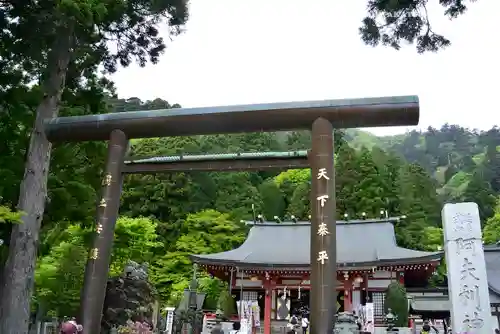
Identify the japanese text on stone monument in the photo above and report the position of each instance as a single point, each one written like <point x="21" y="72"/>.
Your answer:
<point x="467" y="283"/>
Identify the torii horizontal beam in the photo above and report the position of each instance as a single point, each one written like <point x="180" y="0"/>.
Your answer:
<point x="230" y="162"/>
<point x="346" y="113"/>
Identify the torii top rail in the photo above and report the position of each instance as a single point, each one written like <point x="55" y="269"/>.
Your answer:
<point x="345" y="113"/>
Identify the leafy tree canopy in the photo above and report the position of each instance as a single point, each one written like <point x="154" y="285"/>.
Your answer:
<point x="392" y="23"/>
<point x="491" y="231"/>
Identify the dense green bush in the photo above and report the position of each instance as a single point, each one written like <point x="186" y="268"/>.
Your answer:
<point x="397" y="301"/>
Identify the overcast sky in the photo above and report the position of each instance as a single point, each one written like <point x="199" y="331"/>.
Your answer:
<point x="259" y="51"/>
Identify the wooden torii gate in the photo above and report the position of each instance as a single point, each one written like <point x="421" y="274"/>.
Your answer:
<point x="321" y="117"/>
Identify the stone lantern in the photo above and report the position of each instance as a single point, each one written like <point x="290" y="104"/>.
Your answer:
<point x="390" y="320"/>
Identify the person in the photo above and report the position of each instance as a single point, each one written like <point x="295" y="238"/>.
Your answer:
<point x="497" y="331"/>
<point x="305" y="323"/>
<point x="292" y="324"/>
<point x="426" y="328"/>
<point x="236" y="328"/>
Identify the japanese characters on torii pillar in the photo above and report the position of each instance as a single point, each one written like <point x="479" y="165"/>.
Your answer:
<point x="106" y="182"/>
<point x="467" y="281"/>
<point x="322" y="227"/>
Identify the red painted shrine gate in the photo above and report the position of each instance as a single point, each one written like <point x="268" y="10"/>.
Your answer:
<point x="274" y="261"/>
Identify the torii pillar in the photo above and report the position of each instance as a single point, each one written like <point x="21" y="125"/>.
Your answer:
<point x="323" y="295"/>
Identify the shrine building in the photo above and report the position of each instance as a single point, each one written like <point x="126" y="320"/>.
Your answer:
<point x="272" y="266"/>
<point x="436" y="304"/>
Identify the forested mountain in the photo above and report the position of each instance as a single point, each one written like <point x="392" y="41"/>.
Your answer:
<point x="166" y="217"/>
<point x="464" y="162"/>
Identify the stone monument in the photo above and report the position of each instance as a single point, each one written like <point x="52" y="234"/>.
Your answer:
<point x="467" y="282"/>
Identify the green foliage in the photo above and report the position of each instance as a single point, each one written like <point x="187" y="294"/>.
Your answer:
<point x="293" y="184"/>
<point x="9" y="216"/>
<point x="227" y="303"/>
<point x="433" y="238"/>
<point x="84" y="28"/>
<point x="397" y="301"/>
<point x="465" y="163"/>
<point x="59" y="274"/>
<point x="205" y="232"/>
<point x="300" y="202"/>
<point x="293" y="177"/>
<point x="135" y="239"/>
<point x="392" y="22"/>
<point x="346" y="177"/>
<point x="491" y="231"/>
<point x="361" y="139"/>
<point x="273" y="201"/>
<point x="419" y="202"/>
<point x="438" y="279"/>
<point x="368" y="194"/>
<point x="456" y="185"/>
<point x="479" y="190"/>
<point x="212" y="288"/>
<point x="240" y="198"/>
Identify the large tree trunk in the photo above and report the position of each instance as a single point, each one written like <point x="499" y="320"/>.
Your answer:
<point x="19" y="269"/>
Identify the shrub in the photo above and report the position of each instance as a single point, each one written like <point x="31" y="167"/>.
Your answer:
<point x="397" y="301"/>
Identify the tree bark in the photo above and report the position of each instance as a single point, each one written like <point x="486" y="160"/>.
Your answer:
<point x="18" y="277"/>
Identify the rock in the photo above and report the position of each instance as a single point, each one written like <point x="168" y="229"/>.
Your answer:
<point x="136" y="271"/>
<point x="128" y="297"/>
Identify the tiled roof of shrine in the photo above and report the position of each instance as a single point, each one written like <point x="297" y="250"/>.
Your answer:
<point x="362" y="243"/>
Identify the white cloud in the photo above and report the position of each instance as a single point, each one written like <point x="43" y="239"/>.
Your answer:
<point x="257" y="51"/>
